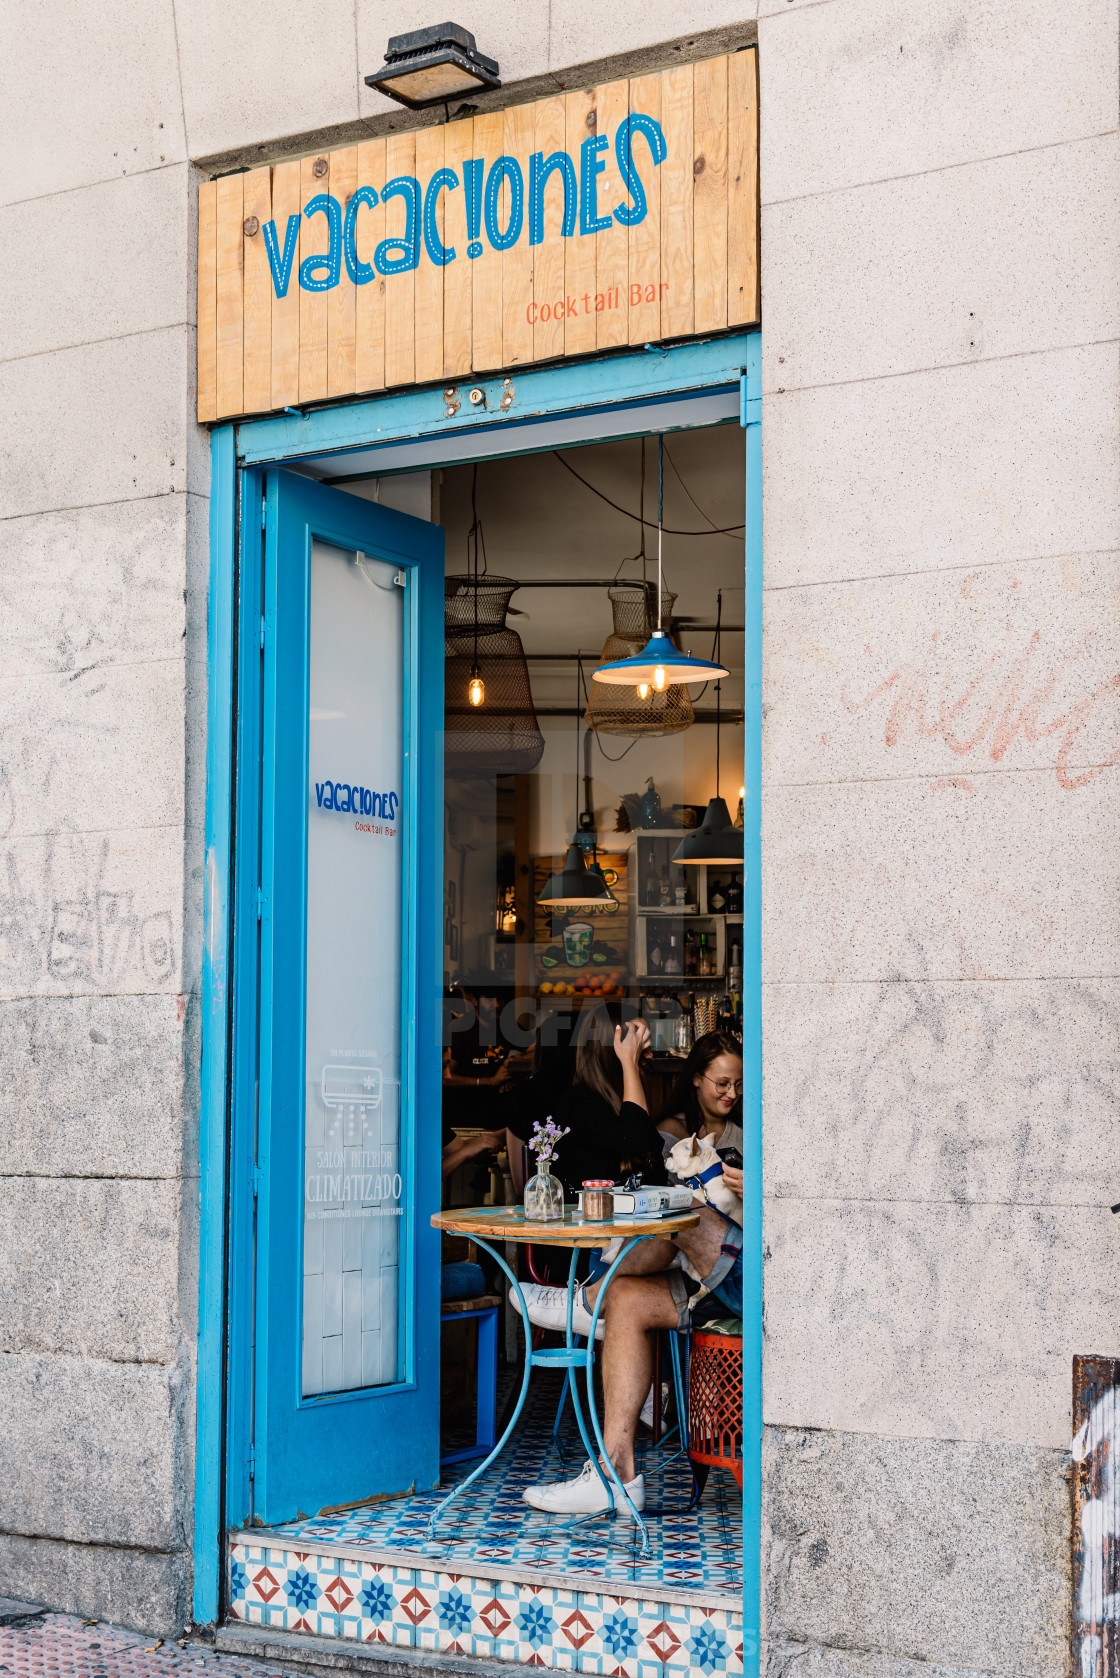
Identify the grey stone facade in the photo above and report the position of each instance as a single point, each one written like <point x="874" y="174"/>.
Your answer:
<point x="940" y="234"/>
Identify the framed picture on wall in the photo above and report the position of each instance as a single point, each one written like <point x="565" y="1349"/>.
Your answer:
<point x="587" y="946"/>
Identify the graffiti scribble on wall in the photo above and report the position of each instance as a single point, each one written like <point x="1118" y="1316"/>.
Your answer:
<point x="1096" y="1516"/>
<point x="1013" y="690"/>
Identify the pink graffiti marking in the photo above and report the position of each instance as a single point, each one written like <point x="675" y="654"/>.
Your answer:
<point x="1016" y="706"/>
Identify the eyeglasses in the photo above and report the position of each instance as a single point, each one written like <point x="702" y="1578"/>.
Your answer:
<point x="724" y="1086"/>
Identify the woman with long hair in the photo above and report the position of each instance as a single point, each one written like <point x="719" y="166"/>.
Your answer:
<point x="708" y="1098"/>
<point x="604" y="1110"/>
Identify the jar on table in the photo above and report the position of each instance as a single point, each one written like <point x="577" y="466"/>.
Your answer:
<point x="598" y="1200"/>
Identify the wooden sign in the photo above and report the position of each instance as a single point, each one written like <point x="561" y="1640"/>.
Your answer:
<point x="617" y="215"/>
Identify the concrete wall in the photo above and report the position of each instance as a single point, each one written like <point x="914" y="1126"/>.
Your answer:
<point x="103" y="554"/>
<point x="940" y="261"/>
<point x="941" y="395"/>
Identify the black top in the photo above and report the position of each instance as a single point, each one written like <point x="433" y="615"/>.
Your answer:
<point x="603" y="1143"/>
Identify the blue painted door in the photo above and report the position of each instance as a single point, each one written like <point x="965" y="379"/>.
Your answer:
<point x="346" y="1265"/>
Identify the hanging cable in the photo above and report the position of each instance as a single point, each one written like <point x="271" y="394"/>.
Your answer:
<point x="691" y="497"/>
<point x="476" y="690"/>
<point x="726" y="530"/>
<point x="719" y="683"/>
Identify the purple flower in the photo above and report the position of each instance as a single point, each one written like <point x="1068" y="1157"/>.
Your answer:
<point x="545" y="1137"/>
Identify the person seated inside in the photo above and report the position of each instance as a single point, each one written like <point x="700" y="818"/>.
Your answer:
<point x="535" y="1100"/>
<point x="603" y="1109"/>
<point x="474" y="1056"/>
<point x="457" y="1150"/>
<point x="651" y="1291"/>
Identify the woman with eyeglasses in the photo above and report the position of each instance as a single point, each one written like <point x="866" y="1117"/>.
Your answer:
<point x="707" y="1101"/>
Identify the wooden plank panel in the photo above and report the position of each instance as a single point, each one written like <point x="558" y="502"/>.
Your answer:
<point x="342" y="301"/>
<point x="548" y="257"/>
<point x="580" y="121"/>
<point x="429" y="276"/>
<point x="369" y="305"/>
<point x="517" y="262"/>
<point x="486" y="279"/>
<point x="644" y="240"/>
<point x="458" y="146"/>
<point x="676" y="203"/>
<point x="314" y="240"/>
<point x="742" y="188"/>
<point x="207" y="302"/>
<point x="258" y="292"/>
<point x="611" y="323"/>
<point x="689" y="266"/>
<point x="709" y="195"/>
<point x="231" y="296"/>
<point x="400" y="289"/>
<point x="285" y="310"/>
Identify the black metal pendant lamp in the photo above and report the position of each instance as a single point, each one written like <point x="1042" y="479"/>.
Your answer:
<point x="717" y="839"/>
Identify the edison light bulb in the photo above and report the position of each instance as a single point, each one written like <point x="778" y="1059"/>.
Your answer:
<point x="659" y="677"/>
<point x="742" y="794"/>
<point x="643" y="690"/>
<point x="476" y="693"/>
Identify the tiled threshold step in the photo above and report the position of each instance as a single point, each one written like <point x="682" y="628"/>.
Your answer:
<point x="421" y="1608"/>
<point x="500" y="1582"/>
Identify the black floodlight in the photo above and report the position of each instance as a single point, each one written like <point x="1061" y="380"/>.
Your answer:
<point x="429" y="66"/>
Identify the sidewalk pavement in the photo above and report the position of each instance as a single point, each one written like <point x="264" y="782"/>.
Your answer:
<point x="36" y="1645"/>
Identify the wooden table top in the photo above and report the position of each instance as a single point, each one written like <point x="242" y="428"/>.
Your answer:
<point x="509" y="1223"/>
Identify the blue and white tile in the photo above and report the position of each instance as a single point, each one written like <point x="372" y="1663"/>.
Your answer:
<point x="381" y="1597"/>
<point x="542" y="1612"/>
<point x="621" y="1629"/>
<point x="706" y="1647"/>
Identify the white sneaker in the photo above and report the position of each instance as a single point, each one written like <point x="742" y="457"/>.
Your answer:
<point x="646" y="1414"/>
<point x="585" y="1495"/>
<point x="548" y="1308"/>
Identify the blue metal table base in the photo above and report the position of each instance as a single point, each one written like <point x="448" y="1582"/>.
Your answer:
<point x="569" y="1357"/>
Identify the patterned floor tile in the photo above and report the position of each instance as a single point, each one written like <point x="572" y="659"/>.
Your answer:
<point x="583" y="1597"/>
<point x="701" y="1550"/>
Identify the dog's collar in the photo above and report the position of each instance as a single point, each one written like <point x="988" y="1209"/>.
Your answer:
<point x="703" y="1177"/>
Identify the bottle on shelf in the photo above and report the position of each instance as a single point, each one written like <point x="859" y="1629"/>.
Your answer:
<point x="655" y="953"/>
<point x="735" y="967"/>
<point x="691" y="953"/>
<point x="651" y="891"/>
<point x="673" y="958"/>
<point x="704" y="967"/>
<point x="666" y="894"/>
<point x="735" y="895"/>
<point x="717" y="898"/>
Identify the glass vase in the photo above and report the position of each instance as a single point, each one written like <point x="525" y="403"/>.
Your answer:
<point x="544" y="1195"/>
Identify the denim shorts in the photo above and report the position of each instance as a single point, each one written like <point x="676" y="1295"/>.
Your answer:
<point x="724" y="1282"/>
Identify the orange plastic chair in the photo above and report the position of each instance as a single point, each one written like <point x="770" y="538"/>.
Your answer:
<point x="715" y="1406"/>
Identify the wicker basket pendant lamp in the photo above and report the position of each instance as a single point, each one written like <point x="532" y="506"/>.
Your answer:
<point x="623" y="710"/>
<point x="490" y="721"/>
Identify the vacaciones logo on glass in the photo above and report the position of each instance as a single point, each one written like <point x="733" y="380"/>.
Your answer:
<point x="350" y="800"/>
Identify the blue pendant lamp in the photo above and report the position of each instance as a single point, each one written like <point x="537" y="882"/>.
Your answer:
<point x="717" y="839"/>
<point x="660" y="663"/>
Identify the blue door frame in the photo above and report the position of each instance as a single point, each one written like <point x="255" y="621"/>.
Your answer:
<point x="229" y="997"/>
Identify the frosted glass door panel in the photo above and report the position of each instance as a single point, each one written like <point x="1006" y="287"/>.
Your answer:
<point x="352" y="1163"/>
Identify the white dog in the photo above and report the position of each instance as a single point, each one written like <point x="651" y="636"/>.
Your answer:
<point x="696" y="1162"/>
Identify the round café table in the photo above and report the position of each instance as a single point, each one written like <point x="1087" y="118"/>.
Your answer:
<point x="486" y="1224"/>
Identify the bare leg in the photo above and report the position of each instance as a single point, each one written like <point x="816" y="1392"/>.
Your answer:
<point x="644" y="1260"/>
<point x="637" y="1304"/>
<point x="702" y="1245"/>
